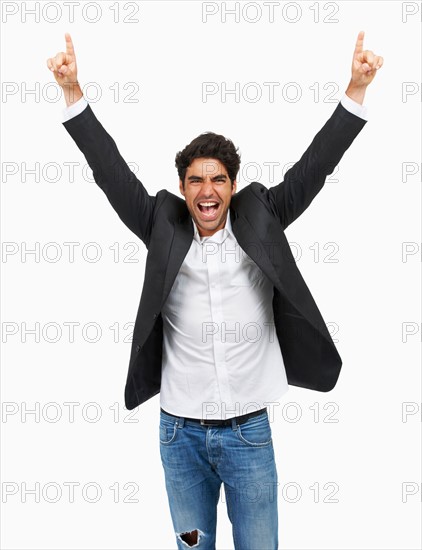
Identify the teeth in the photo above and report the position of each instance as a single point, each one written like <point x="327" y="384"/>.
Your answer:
<point x="208" y="203"/>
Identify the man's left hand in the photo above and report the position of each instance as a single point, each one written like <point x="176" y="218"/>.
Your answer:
<point x="365" y="64"/>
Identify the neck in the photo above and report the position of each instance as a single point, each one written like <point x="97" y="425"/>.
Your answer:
<point x="208" y="232"/>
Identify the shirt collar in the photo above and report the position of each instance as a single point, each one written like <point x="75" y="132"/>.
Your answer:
<point x="219" y="236"/>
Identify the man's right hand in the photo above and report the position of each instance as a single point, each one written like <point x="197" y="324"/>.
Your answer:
<point x="65" y="72"/>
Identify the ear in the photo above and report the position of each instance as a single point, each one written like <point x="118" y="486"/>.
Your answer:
<point x="181" y="187"/>
<point x="234" y="187"/>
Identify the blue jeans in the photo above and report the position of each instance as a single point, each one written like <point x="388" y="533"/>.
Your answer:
<point x="197" y="459"/>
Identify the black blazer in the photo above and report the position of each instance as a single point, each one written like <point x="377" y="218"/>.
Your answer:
<point x="259" y="216"/>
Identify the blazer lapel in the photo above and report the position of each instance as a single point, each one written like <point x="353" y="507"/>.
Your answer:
<point x="182" y="240"/>
<point x="250" y="242"/>
<point x="254" y="247"/>
<point x="245" y="235"/>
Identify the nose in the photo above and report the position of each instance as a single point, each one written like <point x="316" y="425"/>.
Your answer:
<point x="207" y="187"/>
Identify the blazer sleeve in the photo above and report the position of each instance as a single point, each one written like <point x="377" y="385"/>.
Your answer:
<point x="126" y="194"/>
<point x="303" y="181"/>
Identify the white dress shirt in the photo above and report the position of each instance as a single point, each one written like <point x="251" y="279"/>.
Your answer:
<point x="221" y="355"/>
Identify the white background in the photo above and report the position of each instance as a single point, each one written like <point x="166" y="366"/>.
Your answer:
<point x="370" y="453"/>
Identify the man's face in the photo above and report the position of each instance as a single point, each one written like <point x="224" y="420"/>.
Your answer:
<point x="207" y="181"/>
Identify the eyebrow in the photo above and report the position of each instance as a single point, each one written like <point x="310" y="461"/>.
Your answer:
<point x="213" y="178"/>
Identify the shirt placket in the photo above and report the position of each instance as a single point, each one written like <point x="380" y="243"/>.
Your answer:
<point x="216" y="289"/>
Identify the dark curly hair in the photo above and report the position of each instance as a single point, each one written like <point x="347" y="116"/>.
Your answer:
<point x="209" y="145"/>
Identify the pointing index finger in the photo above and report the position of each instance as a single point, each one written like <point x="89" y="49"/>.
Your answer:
<point x="69" y="45"/>
<point x="359" y="43"/>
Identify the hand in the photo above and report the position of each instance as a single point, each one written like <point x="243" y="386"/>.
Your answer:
<point x="364" y="65"/>
<point x="64" y="64"/>
<point x="65" y="71"/>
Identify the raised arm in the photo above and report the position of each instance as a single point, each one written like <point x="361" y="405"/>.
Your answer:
<point x="125" y="192"/>
<point x="303" y="181"/>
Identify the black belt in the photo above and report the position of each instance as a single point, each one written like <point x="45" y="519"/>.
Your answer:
<point x="228" y="422"/>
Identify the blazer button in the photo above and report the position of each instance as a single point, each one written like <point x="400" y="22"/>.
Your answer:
<point x="138" y="347"/>
<point x="155" y="316"/>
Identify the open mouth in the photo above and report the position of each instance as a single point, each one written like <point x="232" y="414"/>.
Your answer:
<point x="208" y="209"/>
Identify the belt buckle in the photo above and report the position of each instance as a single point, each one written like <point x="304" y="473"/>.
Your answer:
<point x="207" y="422"/>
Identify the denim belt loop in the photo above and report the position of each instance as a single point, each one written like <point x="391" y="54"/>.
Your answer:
<point x="180" y="421"/>
<point x="234" y="424"/>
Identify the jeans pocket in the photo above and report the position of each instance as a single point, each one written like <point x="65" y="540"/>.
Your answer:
<point x="255" y="432"/>
<point x="168" y="430"/>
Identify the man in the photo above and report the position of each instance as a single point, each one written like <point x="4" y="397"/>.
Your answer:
<point x="219" y="265"/>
